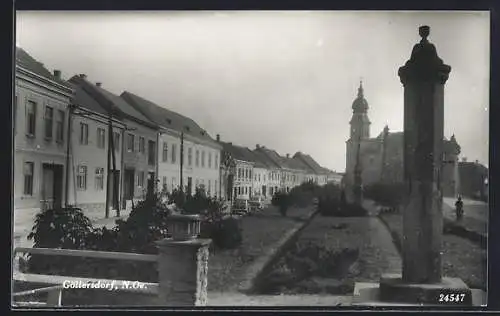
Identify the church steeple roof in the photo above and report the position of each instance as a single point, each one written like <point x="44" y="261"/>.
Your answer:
<point x="360" y="105"/>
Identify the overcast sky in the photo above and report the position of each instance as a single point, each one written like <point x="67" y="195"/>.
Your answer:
<point x="285" y="80"/>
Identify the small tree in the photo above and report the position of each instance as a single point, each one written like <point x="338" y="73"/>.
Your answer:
<point x="282" y="201"/>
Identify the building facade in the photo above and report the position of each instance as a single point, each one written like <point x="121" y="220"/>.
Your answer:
<point x="40" y="114"/>
<point x="88" y="162"/>
<point x="139" y="142"/>
<point x="380" y="159"/>
<point x="200" y="162"/>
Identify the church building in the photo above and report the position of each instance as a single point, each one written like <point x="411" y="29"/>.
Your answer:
<point x="381" y="158"/>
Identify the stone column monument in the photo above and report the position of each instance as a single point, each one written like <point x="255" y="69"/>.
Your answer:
<point x="421" y="282"/>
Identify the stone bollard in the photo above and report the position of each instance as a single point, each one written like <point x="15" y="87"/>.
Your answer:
<point x="183" y="265"/>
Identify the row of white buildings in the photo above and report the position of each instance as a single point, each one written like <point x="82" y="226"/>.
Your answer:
<point x="68" y="134"/>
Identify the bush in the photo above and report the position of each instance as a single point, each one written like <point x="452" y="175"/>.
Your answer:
<point x="147" y="223"/>
<point x="304" y="194"/>
<point x="65" y="228"/>
<point x="227" y="233"/>
<point x="282" y="201"/>
<point x="387" y="194"/>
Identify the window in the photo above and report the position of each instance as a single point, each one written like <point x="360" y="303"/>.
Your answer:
<point x="130" y="142"/>
<point x="81" y="178"/>
<point x="197" y="162"/>
<point x="239" y="173"/>
<point x="216" y="164"/>
<point x="84" y="134"/>
<point x="101" y="136"/>
<point x="31" y="119"/>
<point x="216" y="188"/>
<point x="190" y="157"/>
<point x="174" y="153"/>
<point x="209" y="186"/>
<point x="140" y="179"/>
<point x="151" y="152"/>
<point x="173" y="183"/>
<point x="164" y="155"/>
<point x="249" y="174"/>
<point x="14" y="114"/>
<point x="49" y="122"/>
<point x="99" y="179"/>
<point x="116" y="141"/>
<point x="209" y="160"/>
<point x="246" y="173"/>
<point x="203" y="159"/>
<point x="60" y="126"/>
<point x="141" y="145"/>
<point x="28" y="178"/>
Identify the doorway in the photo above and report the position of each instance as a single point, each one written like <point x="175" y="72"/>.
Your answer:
<point x="151" y="183"/>
<point x="128" y="186"/>
<point x="52" y="186"/>
<point x="114" y="188"/>
<point x="264" y="191"/>
<point x="230" y="181"/>
<point x="190" y="186"/>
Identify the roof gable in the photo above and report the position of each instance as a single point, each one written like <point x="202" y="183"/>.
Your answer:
<point x="111" y="102"/>
<point x="25" y="60"/>
<point x="165" y="117"/>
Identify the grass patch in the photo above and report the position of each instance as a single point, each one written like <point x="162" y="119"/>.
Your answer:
<point x="226" y="267"/>
<point x="461" y="257"/>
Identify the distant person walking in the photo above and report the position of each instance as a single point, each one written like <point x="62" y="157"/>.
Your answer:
<point x="459" y="208"/>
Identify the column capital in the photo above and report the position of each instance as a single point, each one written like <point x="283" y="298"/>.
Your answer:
<point x="424" y="64"/>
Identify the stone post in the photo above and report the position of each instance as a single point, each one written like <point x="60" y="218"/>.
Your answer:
<point x="423" y="77"/>
<point x="183" y="263"/>
<point x="182" y="272"/>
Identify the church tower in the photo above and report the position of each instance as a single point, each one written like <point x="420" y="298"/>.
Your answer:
<point x="360" y="124"/>
<point x="360" y="131"/>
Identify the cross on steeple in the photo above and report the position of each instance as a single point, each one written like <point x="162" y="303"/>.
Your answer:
<point x="360" y="89"/>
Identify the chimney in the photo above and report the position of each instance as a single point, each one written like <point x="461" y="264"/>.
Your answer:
<point x="464" y="159"/>
<point x="217" y="137"/>
<point x="287" y="155"/>
<point x="83" y="76"/>
<point x="477" y="161"/>
<point x="230" y="144"/>
<point x="98" y="84"/>
<point x="57" y="74"/>
<point x="257" y="146"/>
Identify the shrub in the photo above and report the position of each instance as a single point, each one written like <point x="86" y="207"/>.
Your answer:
<point x="282" y="201"/>
<point x="61" y="228"/>
<point x="227" y="233"/>
<point x="304" y="194"/>
<point x="387" y="194"/>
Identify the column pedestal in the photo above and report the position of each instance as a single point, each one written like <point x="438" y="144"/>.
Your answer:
<point x="182" y="272"/>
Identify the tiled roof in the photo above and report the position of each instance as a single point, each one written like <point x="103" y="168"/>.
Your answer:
<point x="265" y="159"/>
<point x="26" y="61"/>
<point x="165" y="117"/>
<point x="252" y="156"/>
<point x="296" y="164"/>
<point x="83" y="99"/>
<point x="273" y="156"/>
<point x="308" y="160"/>
<point x="237" y="152"/>
<point x="117" y="103"/>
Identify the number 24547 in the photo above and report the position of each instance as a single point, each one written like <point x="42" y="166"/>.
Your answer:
<point x="451" y="297"/>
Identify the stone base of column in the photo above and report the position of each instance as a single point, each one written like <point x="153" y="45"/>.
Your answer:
<point x="392" y="291"/>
